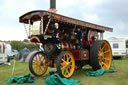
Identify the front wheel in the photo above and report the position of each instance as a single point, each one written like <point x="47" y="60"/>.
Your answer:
<point x="65" y="64"/>
<point x="101" y="55"/>
<point x="38" y="63"/>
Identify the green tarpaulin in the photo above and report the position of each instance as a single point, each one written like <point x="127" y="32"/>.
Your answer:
<point x="99" y="72"/>
<point x="22" y="79"/>
<point x="55" y="79"/>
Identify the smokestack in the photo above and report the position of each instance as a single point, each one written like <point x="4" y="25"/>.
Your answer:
<point x="52" y="6"/>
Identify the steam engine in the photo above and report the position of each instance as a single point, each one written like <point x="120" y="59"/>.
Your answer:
<point x="60" y="37"/>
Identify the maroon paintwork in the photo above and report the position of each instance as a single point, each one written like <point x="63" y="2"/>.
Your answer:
<point x="80" y="54"/>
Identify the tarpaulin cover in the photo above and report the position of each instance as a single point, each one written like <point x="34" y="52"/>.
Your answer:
<point x="55" y="79"/>
<point x="22" y="79"/>
<point x="99" y="72"/>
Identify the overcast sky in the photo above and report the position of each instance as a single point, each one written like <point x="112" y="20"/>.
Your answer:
<point x="111" y="13"/>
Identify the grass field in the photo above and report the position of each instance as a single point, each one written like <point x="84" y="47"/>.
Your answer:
<point x="117" y="78"/>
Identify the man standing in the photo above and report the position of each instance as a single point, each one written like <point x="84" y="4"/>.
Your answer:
<point x="79" y="37"/>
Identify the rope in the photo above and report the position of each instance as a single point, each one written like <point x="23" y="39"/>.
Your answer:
<point x="13" y="69"/>
<point x="26" y="30"/>
<point x="29" y="27"/>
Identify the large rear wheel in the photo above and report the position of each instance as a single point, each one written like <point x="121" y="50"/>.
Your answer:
<point x="38" y="63"/>
<point x="65" y="64"/>
<point x="101" y="55"/>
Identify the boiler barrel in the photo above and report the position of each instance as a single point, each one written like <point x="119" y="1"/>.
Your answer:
<point x="67" y="46"/>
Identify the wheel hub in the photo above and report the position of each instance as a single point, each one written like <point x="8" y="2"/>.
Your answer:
<point x="38" y="63"/>
<point x="66" y="64"/>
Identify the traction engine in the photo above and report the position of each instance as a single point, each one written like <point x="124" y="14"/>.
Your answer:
<point x="60" y="44"/>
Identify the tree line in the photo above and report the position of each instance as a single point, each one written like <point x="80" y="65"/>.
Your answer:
<point x="18" y="45"/>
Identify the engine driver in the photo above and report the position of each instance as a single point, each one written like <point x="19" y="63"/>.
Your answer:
<point x="79" y="37"/>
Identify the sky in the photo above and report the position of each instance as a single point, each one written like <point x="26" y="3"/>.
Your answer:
<point x="110" y="13"/>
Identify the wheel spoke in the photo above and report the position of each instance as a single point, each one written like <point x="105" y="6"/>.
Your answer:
<point x="99" y="57"/>
<point x="105" y="65"/>
<point x="99" y="60"/>
<point x="42" y="68"/>
<point x="42" y="58"/>
<point x="43" y="61"/>
<point x="64" y="71"/>
<point x="106" y="51"/>
<point x="63" y="60"/>
<point x="62" y="67"/>
<point x="39" y="69"/>
<point x="39" y="57"/>
<point x="103" y="46"/>
<point x="67" y="58"/>
<point x="100" y="48"/>
<point x="36" y="68"/>
<point x="100" y="65"/>
<point x="64" y="57"/>
<point x="35" y="58"/>
<point x="67" y="71"/>
<point x="63" y="64"/>
<point x="70" y="63"/>
<point x="107" y="59"/>
<point x="69" y="68"/>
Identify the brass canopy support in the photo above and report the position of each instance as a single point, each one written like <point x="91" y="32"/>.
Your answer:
<point x="47" y="26"/>
<point x="42" y="26"/>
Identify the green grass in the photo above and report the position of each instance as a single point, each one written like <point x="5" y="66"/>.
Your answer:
<point x="117" y="78"/>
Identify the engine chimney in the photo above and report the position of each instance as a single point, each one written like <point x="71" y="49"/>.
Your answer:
<point x="52" y="6"/>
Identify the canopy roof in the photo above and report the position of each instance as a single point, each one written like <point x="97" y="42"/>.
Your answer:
<point x="37" y="14"/>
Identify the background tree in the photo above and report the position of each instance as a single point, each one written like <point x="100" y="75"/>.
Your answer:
<point x="18" y="45"/>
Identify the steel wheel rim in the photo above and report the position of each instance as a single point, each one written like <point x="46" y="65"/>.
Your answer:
<point x="105" y="55"/>
<point x="39" y="64"/>
<point x="67" y="65"/>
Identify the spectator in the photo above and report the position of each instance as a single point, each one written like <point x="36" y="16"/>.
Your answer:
<point x="8" y="60"/>
<point x="79" y="37"/>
